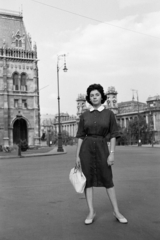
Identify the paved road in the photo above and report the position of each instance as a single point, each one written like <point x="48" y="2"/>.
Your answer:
<point x="37" y="201"/>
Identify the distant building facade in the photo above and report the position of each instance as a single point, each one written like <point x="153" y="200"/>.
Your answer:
<point x="127" y="111"/>
<point x="68" y="124"/>
<point x="19" y="83"/>
<point x="49" y="123"/>
<point x="124" y="112"/>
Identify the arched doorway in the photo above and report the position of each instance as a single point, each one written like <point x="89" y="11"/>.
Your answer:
<point x="20" y="130"/>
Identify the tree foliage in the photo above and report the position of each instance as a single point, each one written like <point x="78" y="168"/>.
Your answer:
<point x="136" y="129"/>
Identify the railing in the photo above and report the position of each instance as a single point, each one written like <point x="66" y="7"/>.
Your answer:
<point x="18" y="53"/>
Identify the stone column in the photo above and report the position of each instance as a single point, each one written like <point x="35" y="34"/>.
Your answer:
<point x="5" y="106"/>
<point x="125" y="124"/>
<point x="31" y="136"/>
<point x="69" y="129"/>
<point x="154" y="121"/>
<point x="11" y="136"/>
<point x="120" y="122"/>
<point x="74" y="129"/>
<point x="147" y="121"/>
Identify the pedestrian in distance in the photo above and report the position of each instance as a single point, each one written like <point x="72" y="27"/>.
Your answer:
<point x="93" y="154"/>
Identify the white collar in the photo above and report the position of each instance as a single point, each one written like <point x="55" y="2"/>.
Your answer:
<point x="99" y="109"/>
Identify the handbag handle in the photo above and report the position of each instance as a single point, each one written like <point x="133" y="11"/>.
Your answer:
<point x="78" y="168"/>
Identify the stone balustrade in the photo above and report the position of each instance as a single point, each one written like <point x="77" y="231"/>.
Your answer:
<point x="13" y="53"/>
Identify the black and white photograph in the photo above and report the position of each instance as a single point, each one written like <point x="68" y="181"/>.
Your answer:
<point x="79" y="119"/>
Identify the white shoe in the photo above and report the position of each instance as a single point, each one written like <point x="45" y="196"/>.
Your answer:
<point x="90" y="220"/>
<point x="121" y="220"/>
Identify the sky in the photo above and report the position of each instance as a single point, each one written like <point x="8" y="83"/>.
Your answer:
<point x="116" y="43"/>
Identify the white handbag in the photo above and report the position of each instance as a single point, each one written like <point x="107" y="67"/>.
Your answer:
<point x="77" y="179"/>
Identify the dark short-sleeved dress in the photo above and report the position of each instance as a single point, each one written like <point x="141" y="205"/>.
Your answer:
<point x="93" y="128"/>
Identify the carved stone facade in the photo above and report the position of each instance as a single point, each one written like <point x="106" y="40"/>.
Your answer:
<point x="19" y="83"/>
<point x="81" y="104"/>
<point x="126" y="111"/>
<point x="68" y="124"/>
<point x="111" y="102"/>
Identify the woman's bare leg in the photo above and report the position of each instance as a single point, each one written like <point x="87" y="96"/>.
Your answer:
<point x="112" y="196"/>
<point x="89" y="199"/>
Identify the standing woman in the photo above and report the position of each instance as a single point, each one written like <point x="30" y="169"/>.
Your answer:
<point x="93" y="154"/>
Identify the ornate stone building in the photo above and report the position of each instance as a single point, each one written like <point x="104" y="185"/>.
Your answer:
<point x="111" y="102"/>
<point x="50" y="124"/>
<point x="150" y="111"/>
<point x="19" y="83"/>
<point x="126" y="111"/>
<point x="68" y="124"/>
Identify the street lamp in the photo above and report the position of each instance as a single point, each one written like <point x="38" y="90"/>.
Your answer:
<point x="139" y="137"/>
<point x="151" y="126"/>
<point x="19" y="117"/>
<point x="60" y="147"/>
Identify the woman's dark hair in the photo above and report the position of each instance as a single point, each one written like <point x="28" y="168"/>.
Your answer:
<point x="97" y="87"/>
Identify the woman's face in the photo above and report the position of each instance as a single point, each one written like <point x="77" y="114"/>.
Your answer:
<point x="95" y="98"/>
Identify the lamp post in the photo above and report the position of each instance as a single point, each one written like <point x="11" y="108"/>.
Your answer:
<point x="60" y="147"/>
<point x="139" y="137"/>
<point x="151" y="128"/>
<point x="19" y="117"/>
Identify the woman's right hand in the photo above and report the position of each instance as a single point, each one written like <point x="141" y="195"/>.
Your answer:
<point x="78" y="162"/>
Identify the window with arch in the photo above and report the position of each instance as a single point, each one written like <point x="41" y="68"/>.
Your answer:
<point x="23" y="82"/>
<point x="20" y="43"/>
<point x="15" y="81"/>
<point x="16" y="42"/>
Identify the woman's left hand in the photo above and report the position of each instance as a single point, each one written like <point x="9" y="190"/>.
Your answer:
<point x="110" y="159"/>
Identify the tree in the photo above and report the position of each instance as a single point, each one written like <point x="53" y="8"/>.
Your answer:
<point x="123" y="136"/>
<point x="139" y="128"/>
<point x="66" y="139"/>
<point x="130" y="135"/>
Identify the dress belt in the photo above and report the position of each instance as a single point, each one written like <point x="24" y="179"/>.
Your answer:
<point x="95" y="136"/>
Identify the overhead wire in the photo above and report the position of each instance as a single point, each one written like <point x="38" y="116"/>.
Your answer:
<point x="93" y="19"/>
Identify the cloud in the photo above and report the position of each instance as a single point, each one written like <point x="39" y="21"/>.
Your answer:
<point x="130" y="3"/>
<point x="52" y="96"/>
<point x="110" y="56"/>
<point x="117" y="51"/>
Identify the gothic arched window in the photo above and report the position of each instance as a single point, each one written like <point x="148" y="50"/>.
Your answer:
<point x="16" y="43"/>
<point x="23" y="82"/>
<point x="20" y="43"/>
<point x="15" y="81"/>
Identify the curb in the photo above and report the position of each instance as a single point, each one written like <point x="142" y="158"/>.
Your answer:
<point x="143" y="146"/>
<point x="52" y="153"/>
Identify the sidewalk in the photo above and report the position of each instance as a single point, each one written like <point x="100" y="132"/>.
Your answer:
<point x="43" y="151"/>
<point x="46" y="151"/>
<point x="146" y="145"/>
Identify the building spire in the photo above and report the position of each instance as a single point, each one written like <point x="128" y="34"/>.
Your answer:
<point x="132" y="94"/>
